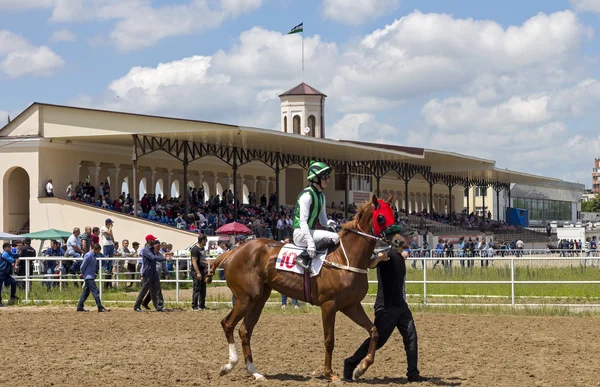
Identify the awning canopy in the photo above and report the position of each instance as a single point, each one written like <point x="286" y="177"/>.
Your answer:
<point x="9" y="237"/>
<point x="72" y="124"/>
<point x="47" y="234"/>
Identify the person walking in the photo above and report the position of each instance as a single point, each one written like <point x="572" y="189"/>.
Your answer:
<point x="198" y="272"/>
<point x="391" y="311"/>
<point x="89" y="269"/>
<point x="151" y="281"/>
<point x="8" y="262"/>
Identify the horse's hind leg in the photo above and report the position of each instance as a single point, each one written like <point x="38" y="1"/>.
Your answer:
<point x="240" y="309"/>
<point x="246" y="331"/>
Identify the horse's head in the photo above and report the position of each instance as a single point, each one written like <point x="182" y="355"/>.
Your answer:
<point x="376" y="216"/>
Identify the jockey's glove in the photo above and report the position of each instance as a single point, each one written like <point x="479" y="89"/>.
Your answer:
<point x="332" y="224"/>
<point x="312" y="251"/>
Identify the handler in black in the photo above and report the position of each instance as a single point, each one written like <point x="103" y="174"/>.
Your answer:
<point x="391" y="311"/>
<point x="198" y="272"/>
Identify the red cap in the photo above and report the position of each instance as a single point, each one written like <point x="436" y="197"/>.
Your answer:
<point x="149" y="238"/>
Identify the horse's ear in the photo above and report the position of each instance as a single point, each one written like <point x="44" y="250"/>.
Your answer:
<point x="390" y="199"/>
<point x="374" y="201"/>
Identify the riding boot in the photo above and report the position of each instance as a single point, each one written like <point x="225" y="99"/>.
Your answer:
<point x="324" y="244"/>
<point x="303" y="260"/>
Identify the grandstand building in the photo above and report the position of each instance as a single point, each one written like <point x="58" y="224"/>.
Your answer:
<point x="140" y="154"/>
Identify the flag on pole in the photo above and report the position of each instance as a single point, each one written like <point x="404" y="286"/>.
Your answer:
<point x="298" y="28"/>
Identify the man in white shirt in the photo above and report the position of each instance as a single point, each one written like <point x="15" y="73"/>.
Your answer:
<point x="107" y="240"/>
<point x="519" y="248"/>
<point x="49" y="188"/>
<point x="129" y="265"/>
<point x="74" y="250"/>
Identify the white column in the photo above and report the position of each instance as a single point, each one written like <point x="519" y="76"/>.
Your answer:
<point x="94" y="175"/>
<point x="167" y="189"/>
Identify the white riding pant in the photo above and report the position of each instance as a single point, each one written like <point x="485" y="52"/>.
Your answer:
<point x="317" y="235"/>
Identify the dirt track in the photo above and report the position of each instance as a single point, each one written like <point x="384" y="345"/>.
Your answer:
<point x="47" y="346"/>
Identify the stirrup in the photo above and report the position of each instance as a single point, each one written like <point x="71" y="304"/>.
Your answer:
<point x="303" y="260"/>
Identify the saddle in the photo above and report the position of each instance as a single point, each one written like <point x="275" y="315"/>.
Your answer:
<point x="286" y="261"/>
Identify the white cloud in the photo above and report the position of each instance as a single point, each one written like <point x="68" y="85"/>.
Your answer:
<point x="25" y="4"/>
<point x="505" y="93"/>
<point x="586" y="5"/>
<point x="422" y="53"/>
<point x="362" y="127"/>
<point x="63" y="35"/>
<point x="356" y="12"/>
<point x="139" y="24"/>
<point x="238" y="86"/>
<point x="18" y="57"/>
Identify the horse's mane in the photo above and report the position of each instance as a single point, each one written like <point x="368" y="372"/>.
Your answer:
<point x="353" y="224"/>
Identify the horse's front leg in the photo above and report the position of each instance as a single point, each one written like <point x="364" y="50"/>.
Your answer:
<point x="357" y="314"/>
<point x="328" y="311"/>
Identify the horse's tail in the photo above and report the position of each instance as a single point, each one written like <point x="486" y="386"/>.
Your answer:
<point x="216" y="264"/>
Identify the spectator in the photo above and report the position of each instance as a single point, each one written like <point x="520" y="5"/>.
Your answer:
<point x="151" y="282"/>
<point x="89" y="269"/>
<point x="129" y="265"/>
<point x="26" y="251"/>
<point x="8" y="262"/>
<point x="49" y="188"/>
<point x="200" y="268"/>
<point x="53" y="266"/>
<point x="108" y="247"/>
<point x="284" y="302"/>
<point x="74" y="251"/>
<point x="70" y="192"/>
<point x="86" y="240"/>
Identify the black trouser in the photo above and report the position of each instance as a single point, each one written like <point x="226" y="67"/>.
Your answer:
<point x="386" y="319"/>
<point x="89" y="286"/>
<point x="150" y="291"/>
<point x="8" y="280"/>
<point x="70" y="268"/>
<point x="131" y="276"/>
<point x="199" y="290"/>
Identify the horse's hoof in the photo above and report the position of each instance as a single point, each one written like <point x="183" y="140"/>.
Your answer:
<point x="225" y="369"/>
<point x="259" y="377"/>
<point x="335" y="380"/>
<point x="357" y="373"/>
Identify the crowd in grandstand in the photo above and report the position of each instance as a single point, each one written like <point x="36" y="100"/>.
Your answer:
<point x="470" y="221"/>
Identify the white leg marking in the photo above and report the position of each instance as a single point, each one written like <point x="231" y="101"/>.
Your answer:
<point x="233" y="360"/>
<point x="252" y="371"/>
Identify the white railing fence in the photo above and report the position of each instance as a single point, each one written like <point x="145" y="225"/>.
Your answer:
<point x="450" y="260"/>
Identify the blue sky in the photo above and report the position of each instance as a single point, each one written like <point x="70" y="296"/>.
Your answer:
<point x="517" y="82"/>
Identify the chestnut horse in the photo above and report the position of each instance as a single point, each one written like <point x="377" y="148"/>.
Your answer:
<point x="340" y="286"/>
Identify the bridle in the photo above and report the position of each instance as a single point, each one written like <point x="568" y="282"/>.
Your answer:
<point x="362" y="233"/>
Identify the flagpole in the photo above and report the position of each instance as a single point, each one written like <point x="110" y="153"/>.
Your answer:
<point x="302" y="52"/>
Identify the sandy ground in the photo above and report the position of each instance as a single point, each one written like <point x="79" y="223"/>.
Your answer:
<point x="55" y="346"/>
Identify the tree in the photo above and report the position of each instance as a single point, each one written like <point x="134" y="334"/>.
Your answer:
<point x="592" y="205"/>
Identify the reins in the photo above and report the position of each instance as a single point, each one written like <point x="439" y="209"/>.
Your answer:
<point x="348" y="267"/>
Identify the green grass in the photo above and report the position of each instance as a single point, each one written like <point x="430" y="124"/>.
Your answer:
<point x="495" y="293"/>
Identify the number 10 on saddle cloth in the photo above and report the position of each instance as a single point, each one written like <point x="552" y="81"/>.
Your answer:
<point x="286" y="260"/>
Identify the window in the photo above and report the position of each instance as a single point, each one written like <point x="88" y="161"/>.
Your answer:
<point x="296" y="124"/>
<point x="340" y="182"/>
<point x="480" y="191"/>
<point x="311" y="125"/>
<point x="361" y="180"/>
<point x="285" y="124"/>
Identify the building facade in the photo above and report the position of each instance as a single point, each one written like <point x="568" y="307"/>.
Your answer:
<point x="596" y="176"/>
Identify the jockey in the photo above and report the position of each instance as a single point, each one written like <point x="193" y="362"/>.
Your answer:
<point x="310" y="209"/>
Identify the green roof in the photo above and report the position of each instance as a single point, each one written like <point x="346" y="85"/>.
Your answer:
<point x="47" y="234"/>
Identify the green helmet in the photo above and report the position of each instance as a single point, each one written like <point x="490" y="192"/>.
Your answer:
<point x="316" y="170"/>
